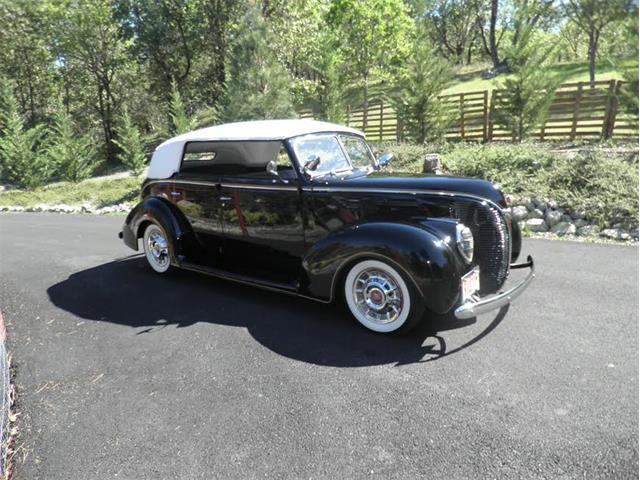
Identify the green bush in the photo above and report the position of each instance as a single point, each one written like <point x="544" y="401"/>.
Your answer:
<point x="70" y="154"/>
<point x="603" y="185"/>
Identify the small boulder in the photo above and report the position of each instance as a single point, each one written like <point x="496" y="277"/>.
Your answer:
<point x="564" y="228"/>
<point x="588" y="230"/>
<point x="578" y="214"/>
<point x="527" y="203"/>
<point x="552" y="217"/>
<point x="580" y="222"/>
<point x="536" y="213"/>
<point x="612" y="233"/>
<point x="537" y="225"/>
<point x="519" y="212"/>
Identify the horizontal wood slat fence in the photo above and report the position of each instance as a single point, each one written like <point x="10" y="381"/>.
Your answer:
<point x="578" y="110"/>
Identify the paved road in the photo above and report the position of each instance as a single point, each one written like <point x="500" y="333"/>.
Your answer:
<point x="123" y="374"/>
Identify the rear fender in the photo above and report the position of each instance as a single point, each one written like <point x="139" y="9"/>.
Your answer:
<point x="422" y="252"/>
<point x="155" y="209"/>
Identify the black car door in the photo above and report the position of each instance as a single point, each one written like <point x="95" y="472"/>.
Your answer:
<point x="261" y="220"/>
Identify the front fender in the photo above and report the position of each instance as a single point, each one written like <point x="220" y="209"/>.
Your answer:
<point x="169" y="217"/>
<point x="421" y="251"/>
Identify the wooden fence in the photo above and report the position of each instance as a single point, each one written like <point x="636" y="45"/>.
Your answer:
<point x="578" y="110"/>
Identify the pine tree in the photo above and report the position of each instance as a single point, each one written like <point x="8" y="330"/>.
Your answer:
<point x="258" y="86"/>
<point x="131" y="144"/>
<point x="181" y="122"/>
<point x="22" y="160"/>
<point x="71" y="155"/>
<point x="415" y="96"/>
<point x="523" y="103"/>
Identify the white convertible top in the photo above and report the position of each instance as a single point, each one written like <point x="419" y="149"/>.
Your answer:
<point x="168" y="155"/>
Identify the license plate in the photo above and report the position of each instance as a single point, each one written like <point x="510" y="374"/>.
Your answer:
<point x="470" y="283"/>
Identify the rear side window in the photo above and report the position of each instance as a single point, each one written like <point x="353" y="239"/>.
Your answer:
<point x="229" y="158"/>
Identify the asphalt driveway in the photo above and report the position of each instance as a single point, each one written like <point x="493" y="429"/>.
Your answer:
<point x="123" y="374"/>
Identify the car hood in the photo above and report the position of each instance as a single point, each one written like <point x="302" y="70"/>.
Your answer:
<point x="380" y="181"/>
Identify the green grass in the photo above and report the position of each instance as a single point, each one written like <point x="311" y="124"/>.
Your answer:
<point x="470" y="81"/>
<point x="98" y="193"/>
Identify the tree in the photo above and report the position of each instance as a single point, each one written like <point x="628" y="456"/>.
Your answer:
<point x="593" y="17"/>
<point x="92" y="49"/>
<point x="454" y="27"/>
<point x="70" y="154"/>
<point x="22" y="161"/>
<point x="415" y="96"/>
<point x="132" y="151"/>
<point x="373" y="37"/>
<point x="523" y="103"/>
<point x="258" y="85"/>
<point x="180" y="121"/>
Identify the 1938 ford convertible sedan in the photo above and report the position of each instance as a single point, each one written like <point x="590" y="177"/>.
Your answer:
<point x="304" y="207"/>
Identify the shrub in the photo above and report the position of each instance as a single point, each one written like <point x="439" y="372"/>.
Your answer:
<point x="22" y="159"/>
<point x="131" y="144"/>
<point x="71" y="156"/>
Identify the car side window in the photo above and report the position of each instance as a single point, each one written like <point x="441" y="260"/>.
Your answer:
<point x="236" y="158"/>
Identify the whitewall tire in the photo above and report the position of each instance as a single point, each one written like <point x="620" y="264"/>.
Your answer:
<point x="157" y="248"/>
<point x="380" y="298"/>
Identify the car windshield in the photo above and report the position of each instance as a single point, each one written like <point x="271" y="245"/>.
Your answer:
<point x="337" y="153"/>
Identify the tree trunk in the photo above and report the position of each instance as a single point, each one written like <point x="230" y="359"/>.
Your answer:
<point x="593" y="50"/>
<point x="492" y="34"/>
<point x="365" y="104"/>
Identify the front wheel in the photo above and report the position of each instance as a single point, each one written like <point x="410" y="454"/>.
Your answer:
<point x="380" y="298"/>
<point x="157" y="248"/>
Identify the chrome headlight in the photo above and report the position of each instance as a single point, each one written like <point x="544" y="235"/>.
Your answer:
<point x="464" y="240"/>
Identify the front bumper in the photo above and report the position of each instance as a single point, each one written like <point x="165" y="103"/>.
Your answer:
<point x="473" y="308"/>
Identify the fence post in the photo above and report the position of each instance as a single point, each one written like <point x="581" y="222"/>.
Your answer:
<point x="462" y="116"/>
<point x="611" y="109"/>
<point x="348" y="115"/>
<point x="381" y="117"/>
<point x="576" y="112"/>
<point x="485" y="116"/>
<point x="492" y="108"/>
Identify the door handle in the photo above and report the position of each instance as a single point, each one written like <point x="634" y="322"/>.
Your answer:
<point x="224" y="199"/>
<point x="175" y="194"/>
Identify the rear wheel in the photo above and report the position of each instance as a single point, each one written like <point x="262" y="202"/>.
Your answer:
<point x="380" y="298"/>
<point x="157" y="248"/>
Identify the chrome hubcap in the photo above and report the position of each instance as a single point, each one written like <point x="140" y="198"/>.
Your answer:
<point x="158" y="248"/>
<point x="377" y="296"/>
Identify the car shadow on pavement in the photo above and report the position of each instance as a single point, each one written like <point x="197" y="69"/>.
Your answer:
<point x="127" y="292"/>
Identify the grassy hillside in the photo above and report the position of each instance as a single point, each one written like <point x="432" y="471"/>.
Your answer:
<point x="470" y="80"/>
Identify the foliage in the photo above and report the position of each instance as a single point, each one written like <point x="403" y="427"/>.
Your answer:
<point x="22" y="160"/>
<point x="415" y="97"/>
<point x="70" y="153"/>
<point x="258" y="87"/>
<point x="132" y="152"/>
<point x="373" y="37"/>
<point x="94" y="191"/>
<point x="180" y="121"/>
<point x="525" y="100"/>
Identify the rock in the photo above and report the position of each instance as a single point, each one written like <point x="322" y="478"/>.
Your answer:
<point x="625" y="236"/>
<point x="580" y="222"/>
<point x="564" y="228"/>
<point x="519" y="213"/>
<point x="536" y="213"/>
<point x="612" y="233"/>
<point x="588" y="230"/>
<point x="578" y="214"/>
<point x="527" y="203"/>
<point x="431" y="163"/>
<point x="566" y="218"/>
<point x="522" y="224"/>
<point x="541" y="203"/>
<point x="635" y="234"/>
<point x="552" y="217"/>
<point x="552" y="204"/>
<point x="537" y="225"/>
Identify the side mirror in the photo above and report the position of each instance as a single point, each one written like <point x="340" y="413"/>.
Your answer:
<point x="385" y="159"/>
<point x="272" y="168"/>
<point x="312" y="163"/>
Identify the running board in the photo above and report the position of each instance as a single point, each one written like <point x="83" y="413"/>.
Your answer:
<point x="216" y="272"/>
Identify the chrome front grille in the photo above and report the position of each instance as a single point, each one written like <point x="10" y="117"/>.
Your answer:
<point x="492" y="241"/>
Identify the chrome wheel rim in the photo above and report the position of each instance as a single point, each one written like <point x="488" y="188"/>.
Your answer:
<point x="378" y="296"/>
<point x="157" y="248"/>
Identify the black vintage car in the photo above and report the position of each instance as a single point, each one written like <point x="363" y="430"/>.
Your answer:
<point x="302" y="207"/>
